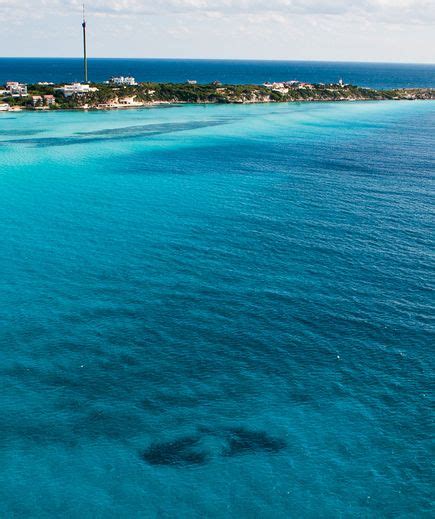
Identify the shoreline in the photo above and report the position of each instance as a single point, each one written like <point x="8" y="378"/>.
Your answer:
<point x="44" y="97"/>
<point x="202" y="103"/>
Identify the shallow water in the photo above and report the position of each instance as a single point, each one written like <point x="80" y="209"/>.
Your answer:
<point x="220" y="311"/>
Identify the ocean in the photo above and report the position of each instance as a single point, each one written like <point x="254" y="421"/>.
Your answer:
<point x="374" y="75"/>
<point x="217" y="311"/>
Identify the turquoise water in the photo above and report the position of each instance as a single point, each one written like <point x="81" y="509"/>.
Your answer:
<point x="221" y="311"/>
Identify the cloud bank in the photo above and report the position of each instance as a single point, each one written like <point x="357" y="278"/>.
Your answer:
<point x="390" y="29"/>
<point x="383" y="10"/>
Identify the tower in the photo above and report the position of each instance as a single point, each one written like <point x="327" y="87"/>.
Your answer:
<point x="85" y="57"/>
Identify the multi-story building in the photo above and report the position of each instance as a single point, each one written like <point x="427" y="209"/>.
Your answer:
<point x="15" y="89"/>
<point x="76" y="89"/>
<point x="49" y="100"/>
<point x="37" y="100"/>
<point x="123" y="81"/>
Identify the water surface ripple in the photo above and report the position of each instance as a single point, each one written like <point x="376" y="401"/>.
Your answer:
<point x="221" y="311"/>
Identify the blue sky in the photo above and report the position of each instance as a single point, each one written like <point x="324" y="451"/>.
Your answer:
<point x="348" y="30"/>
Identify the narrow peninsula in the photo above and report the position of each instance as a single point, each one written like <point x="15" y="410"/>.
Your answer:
<point x="125" y="92"/>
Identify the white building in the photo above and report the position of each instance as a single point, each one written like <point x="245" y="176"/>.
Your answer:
<point x="129" y="101"/>
<point x="304" y="86"/>
<point x="282" y="85"/>
<point x="342" y="84"/>
<point x="282" y="88"/>
<point x="49" y="100"/>
<point x="121" y="80"/>
<point x="76" y="89"/>
<point x="37" y="100"/>
<point x="15" y="89"/>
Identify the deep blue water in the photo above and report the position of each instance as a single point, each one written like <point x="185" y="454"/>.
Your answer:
<point x="375" y="75"/>
<point x="221" y="311"/>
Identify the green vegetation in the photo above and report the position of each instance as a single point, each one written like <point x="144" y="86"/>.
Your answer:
<point x="108" y="95"/>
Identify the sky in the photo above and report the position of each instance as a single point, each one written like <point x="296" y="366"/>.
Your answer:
<point x="331" y="30"/>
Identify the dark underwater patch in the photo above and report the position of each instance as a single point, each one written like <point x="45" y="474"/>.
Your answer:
<point x="342" y="165"/>
<point x="109" y="134"/>
<point x="189" y="450"/>
<point x="246" y="441"/>
<point x="18" y="132"/>
<point x="182" y="452"/>
<point x="153" y="129"/>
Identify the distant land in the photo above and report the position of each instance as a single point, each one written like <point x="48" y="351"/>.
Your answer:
<point x="385" y="76"/>
<point x="125" y="92"/>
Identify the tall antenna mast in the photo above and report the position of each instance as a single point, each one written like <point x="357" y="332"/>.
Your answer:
<point x="85" y="56"/>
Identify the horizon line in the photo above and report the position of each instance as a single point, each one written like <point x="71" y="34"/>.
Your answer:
<point x="272" y="60"/>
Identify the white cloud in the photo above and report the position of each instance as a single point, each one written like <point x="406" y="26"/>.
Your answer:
<point x="383" y="10"/>
<point x="400" y="30"/>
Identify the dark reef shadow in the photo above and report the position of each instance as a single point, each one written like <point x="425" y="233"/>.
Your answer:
<point x="190" y="450"/>
<point x="111" y="134"/>
<point x="246" y="441"/>
<point x="182" y="452"/>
